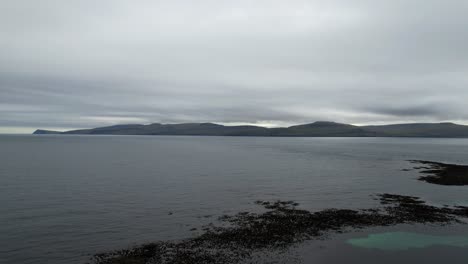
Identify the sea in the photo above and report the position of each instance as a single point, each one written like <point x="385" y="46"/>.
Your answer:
<point x="64" y="198"/>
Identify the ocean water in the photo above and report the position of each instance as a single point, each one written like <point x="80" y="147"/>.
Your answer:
<point x="64" y="198"/>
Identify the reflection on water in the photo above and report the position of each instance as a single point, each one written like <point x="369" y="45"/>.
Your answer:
<point x="407" y="240"/>
<point x="64" y="198"/>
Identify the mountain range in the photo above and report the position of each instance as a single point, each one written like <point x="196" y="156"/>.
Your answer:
<point x="316" y="129"/>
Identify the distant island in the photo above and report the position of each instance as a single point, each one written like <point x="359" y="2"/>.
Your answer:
<point x="316" y="129"/>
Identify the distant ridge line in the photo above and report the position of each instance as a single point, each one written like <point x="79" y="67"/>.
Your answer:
<point x="316" y="129"/>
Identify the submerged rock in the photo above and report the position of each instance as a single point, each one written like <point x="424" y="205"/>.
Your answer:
<point x="283" y="225"/>
<point x="442" y="173"/>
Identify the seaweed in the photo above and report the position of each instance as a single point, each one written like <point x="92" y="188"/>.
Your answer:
<point x="281" y="226"/>
<point x="442" y="173"/>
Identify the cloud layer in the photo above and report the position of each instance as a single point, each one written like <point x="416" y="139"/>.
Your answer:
<point x="91" y="63"/>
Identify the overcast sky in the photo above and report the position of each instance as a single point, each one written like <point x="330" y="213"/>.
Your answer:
<point x="88" y="63"/>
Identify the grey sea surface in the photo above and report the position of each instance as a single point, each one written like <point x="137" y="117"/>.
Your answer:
<point x="64" y="198"/>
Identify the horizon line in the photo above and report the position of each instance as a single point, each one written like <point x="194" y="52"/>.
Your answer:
<point x="29" y="130"/>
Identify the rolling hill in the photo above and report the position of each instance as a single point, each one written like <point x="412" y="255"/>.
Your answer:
<point x="316" y="129"/>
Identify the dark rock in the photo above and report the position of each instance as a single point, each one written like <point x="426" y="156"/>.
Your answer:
<point x="442" y="173"/>
<point x="283" y="225"/>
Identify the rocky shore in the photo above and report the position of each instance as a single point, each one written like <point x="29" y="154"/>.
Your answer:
<point x="281" y="226"/>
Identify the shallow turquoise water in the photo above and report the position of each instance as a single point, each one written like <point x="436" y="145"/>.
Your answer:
<point x="407" y="240"/>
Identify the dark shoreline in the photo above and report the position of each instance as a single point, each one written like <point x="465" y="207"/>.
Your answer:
<point x="441" y="173"/>
<point x="282" y="226"/>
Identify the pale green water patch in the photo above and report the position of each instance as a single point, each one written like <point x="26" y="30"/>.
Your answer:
<point x="462" y="203"/>
<point x="405" y="241"/>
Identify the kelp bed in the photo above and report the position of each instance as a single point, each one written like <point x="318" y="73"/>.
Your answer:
<point x="441" y="173"/>
<point x="283" y="224"/>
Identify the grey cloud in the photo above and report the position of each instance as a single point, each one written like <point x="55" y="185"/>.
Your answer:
<point x="87" y="63"/>
<point x="429" y="110"/>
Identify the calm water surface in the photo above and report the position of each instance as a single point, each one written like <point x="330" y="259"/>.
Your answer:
<point x="64" y="198"/>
